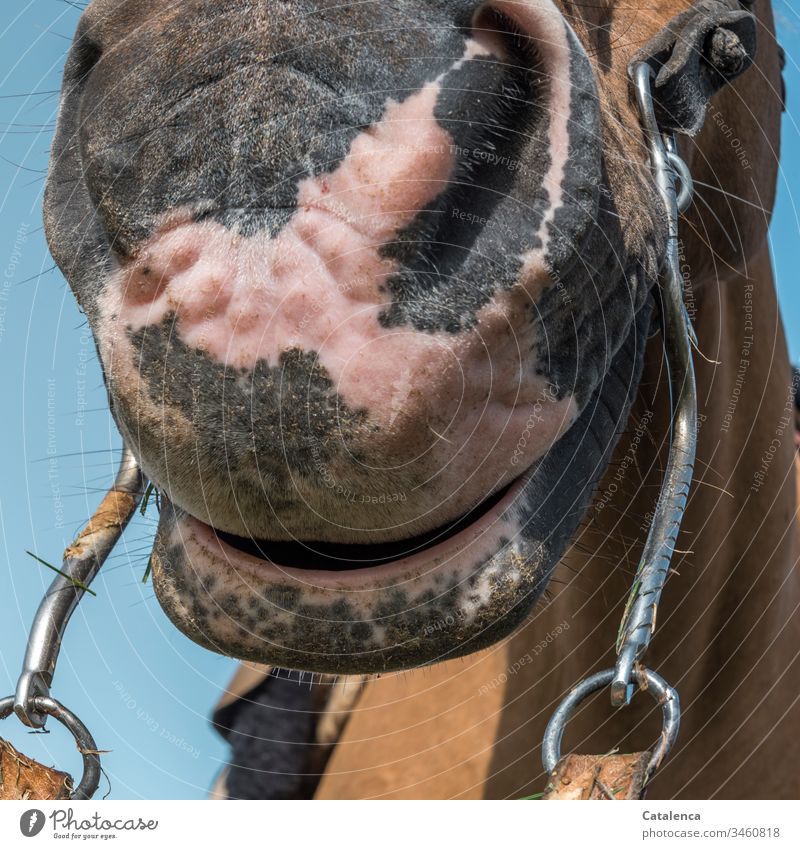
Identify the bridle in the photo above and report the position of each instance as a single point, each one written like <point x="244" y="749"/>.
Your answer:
<point x="32" y="701"/>
<point x="722" y="33"/>
<point x="639" y="619"/>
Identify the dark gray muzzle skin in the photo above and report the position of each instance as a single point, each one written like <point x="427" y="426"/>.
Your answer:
<point x="217" y="114"/>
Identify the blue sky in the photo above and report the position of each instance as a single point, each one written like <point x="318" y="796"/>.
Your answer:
<point x="143" y="689"/>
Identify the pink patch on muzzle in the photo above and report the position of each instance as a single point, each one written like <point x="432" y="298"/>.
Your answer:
<point x="243" y="299"/>
<point x="319" y="285"/>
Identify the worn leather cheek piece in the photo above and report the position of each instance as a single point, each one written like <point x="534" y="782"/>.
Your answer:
<point x="696" y="54"/>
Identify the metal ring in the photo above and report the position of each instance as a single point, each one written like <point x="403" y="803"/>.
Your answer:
<point x="681" y="169"/>
<point x="84" y="740"/>
<point x="658" y="688"/>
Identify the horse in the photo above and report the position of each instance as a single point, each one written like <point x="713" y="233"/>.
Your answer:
<point x="374" y="288"/>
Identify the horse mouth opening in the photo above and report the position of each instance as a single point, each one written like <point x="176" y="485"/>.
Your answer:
<point x="477" y="534"/>
<point x="340" y="557"/>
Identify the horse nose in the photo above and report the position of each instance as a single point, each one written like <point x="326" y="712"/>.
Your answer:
<point x="234" y="142"/>
<point x="232" y="152"/>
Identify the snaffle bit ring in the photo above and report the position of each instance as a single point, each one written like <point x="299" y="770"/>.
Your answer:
<point x="658" y="688"/>
<point x="84" y="740"/>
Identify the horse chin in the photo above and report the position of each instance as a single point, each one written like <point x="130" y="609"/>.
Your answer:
<point x="352" y="609"/>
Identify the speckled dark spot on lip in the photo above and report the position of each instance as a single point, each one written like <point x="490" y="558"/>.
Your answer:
<point x="362" y="632"/>
<point x="209" y="582"/>
<point x="253" y="430"/>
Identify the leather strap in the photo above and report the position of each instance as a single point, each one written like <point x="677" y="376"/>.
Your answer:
<point x="698" y="52"/>
<point x="22" y="778"/>
<point x="598" y="777"/>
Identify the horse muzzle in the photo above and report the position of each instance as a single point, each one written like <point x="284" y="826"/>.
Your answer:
<point x="345" y="313"/>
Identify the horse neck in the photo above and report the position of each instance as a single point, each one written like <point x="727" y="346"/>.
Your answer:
<point x="738" y="548"/>
<point x="739" y="532"/>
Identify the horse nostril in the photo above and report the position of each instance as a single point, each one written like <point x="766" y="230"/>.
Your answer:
<point x="506" y="39"/>
<point x="489" y="29"/>
<point x="85" y="55"/>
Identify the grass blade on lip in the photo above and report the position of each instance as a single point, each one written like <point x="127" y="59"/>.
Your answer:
<point x="77" y="583"/>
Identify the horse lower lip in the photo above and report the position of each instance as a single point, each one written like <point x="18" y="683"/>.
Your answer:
<point x="387" y="616"/>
